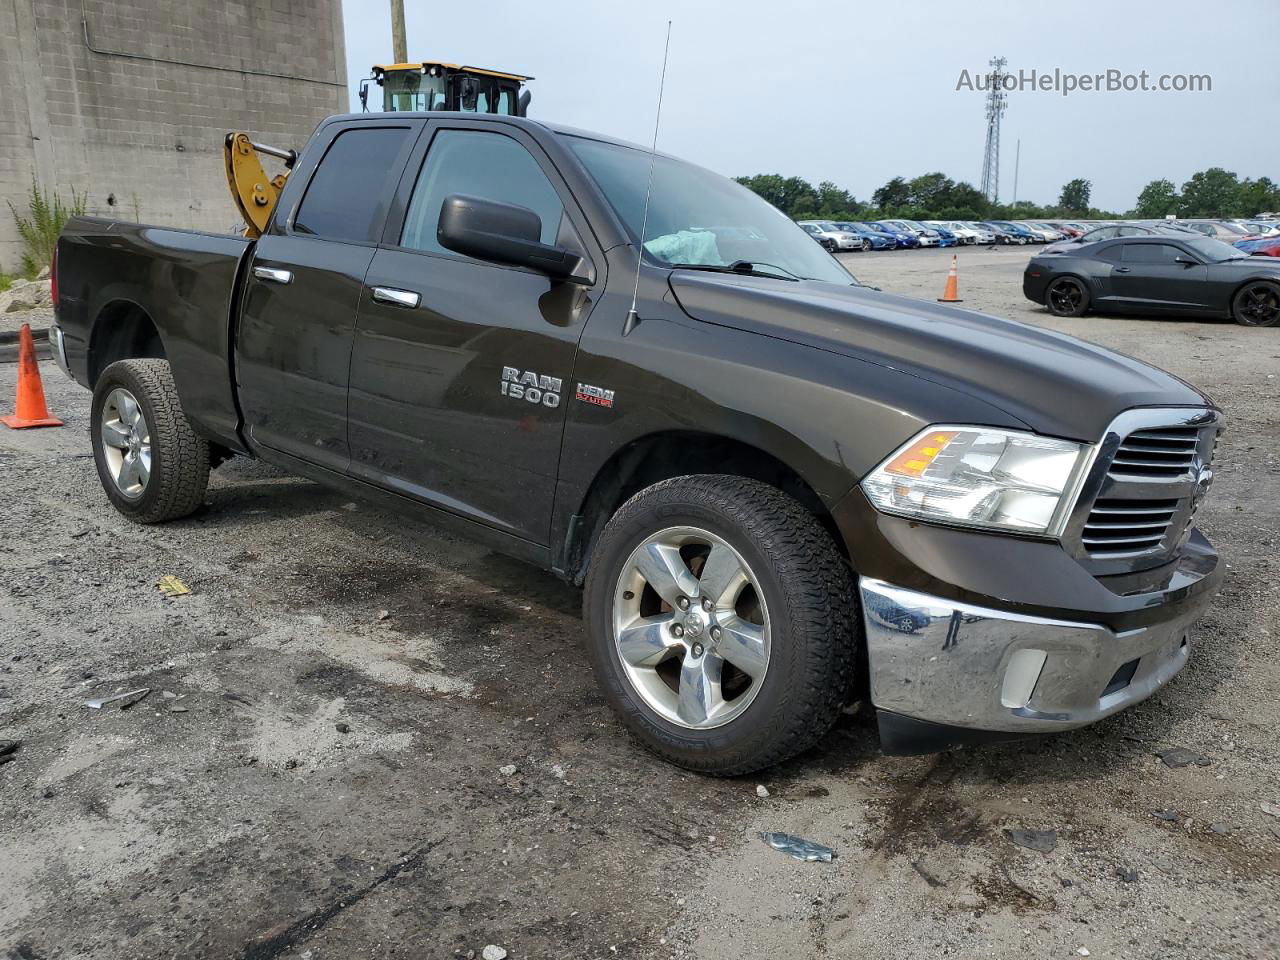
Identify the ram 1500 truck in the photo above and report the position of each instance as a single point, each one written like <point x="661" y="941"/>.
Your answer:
<point x="782" y="490"/>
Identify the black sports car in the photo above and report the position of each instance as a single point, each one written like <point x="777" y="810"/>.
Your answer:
<point x="1159" y="274"/>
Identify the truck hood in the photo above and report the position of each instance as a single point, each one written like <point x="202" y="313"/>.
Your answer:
<point x="1055" y="384"/>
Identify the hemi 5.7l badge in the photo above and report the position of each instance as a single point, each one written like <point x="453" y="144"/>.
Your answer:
<point x="597" y="395"/>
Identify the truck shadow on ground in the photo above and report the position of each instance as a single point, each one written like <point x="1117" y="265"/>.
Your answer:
<point x="470" y="596"/>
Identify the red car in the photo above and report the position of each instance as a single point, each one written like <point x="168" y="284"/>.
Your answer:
<point x="1261" y="246"/>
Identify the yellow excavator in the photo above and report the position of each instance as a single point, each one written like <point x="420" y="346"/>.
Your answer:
<point x="429" y="85"/>
<point x="434" y="85"/>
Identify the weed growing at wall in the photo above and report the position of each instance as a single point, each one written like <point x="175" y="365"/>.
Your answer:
<point x="39" y="231"/>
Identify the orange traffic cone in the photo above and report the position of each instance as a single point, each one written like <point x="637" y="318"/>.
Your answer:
<point x="950" y="294"/>
<point x="31" y="411"/>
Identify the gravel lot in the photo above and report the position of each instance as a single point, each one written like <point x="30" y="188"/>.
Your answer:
<point x="317" y="772"/>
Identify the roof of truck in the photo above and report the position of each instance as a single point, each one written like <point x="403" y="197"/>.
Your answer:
<point x="558" y="128"/>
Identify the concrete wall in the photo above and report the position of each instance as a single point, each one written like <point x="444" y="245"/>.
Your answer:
<point x="132" y="112"/>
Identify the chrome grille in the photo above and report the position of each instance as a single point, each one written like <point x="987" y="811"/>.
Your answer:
<point x="1139" y="500"/>
<point x="1165" y="452"/>
<point x="1127" y="526"/>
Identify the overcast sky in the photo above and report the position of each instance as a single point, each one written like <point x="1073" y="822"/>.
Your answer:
<point x="861" y="92"/>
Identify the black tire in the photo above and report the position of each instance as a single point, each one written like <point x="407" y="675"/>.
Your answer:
<point x="1257" y="304"/>
<point x="805" y="584"/>
<point x="179" y="471"/>
<point x="1066" y="297"/>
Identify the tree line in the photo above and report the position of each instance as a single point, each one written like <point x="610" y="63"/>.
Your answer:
<point x="934" y="196"/>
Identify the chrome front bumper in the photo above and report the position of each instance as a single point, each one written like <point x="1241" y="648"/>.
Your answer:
<point x="947" y="663"/>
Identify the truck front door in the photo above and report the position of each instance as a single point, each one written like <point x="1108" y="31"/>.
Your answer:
<point x="298" y="314"/>
<point x="462" y="369"/>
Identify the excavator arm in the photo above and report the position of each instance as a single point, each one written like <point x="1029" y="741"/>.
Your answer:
<point x="253" y="192"/>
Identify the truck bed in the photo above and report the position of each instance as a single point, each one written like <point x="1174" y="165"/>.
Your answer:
<point x="185" y="282"/>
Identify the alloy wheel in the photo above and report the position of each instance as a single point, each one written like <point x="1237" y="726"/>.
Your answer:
<point x="126" y="443"/>
<point x="1259" y="305"/>
<point x="691" y="627"/>
<point x="1065" y="297"/>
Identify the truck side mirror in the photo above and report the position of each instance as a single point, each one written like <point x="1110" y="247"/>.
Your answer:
<point x="522" y="105"/>
<point x="364" y="95"/>
<point x="503" y="233"/>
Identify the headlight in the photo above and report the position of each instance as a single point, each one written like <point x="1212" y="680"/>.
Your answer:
<point x="980" y="477"/>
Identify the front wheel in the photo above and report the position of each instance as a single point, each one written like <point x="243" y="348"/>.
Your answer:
<point x="152" y="465"/>
<point x="1067" y="297"/>
<point x="721" y="623"/>
<point x="1257" y="304"/>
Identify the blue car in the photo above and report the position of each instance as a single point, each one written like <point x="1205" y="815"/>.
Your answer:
<point x="1016" y="230"/>
<point x="878" y="240"/>
<point x="1001" y="235"/>
<point x="902" y="239"/>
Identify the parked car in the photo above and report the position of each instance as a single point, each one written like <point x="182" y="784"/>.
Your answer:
<point x="1223" y="230"/>
<point x="964" y="234"/>
<point x="825" y="239"/>
<point x="1170" y="273"/>
<point x="1262" y="247"/>
<point x="986" y="234"/>
<point x="1260" y="228"/>
<point x="924" y="238"/>
<point x="843" y="240"/>
<point x="1008" y="232"/>
<point x="902" y="238"/>
<point x="1111" y="231"/>
<point x="1045" y="232"/>
<point x="1068" y="228"/>
<point x="736" y="470"/>
<point x="873" y="239"/>
<point x="946" y="238"/>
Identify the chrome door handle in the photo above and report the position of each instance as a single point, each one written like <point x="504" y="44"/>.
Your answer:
<point x="273" y="274"/>
<point x="1122" y="269"/>
<point x="397" y="298"/>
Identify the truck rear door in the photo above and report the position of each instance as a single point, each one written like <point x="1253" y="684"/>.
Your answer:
<point x="298" y="314"/>
<point x="462" y="369"/>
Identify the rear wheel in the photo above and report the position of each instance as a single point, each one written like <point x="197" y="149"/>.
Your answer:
<point x="1257" y="304"/>
<point x="720" y="621"/>
<point x="152" y="465"/>
<point x="1067" y="297"/>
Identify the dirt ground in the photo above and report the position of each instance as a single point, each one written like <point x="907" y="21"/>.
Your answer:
<point x="317" y="772"/>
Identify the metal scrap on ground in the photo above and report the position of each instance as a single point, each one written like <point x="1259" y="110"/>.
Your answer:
<point x="130" y="698"/>
<point x="798" y="847"/>
<point x="1043" y="841"/>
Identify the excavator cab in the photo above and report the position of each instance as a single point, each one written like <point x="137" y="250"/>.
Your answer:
<point x="405" y="87"/>
<point x="447" y="86"/>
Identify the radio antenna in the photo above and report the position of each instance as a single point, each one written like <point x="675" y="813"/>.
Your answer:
<point x="632" y="317"/>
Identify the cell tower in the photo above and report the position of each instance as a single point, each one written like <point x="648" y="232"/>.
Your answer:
<point x="997" y="102"/>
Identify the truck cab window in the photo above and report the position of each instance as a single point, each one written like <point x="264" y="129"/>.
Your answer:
<point x="478" y="164"/>
<point x="343" y="197"/>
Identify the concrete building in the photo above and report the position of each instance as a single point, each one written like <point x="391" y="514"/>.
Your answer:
<point x="128" y="101"/>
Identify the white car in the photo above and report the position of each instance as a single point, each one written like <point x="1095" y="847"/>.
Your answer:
<point x="1040" y="230"/>
<point x="964" y="233"/>
<point x="985" y="234"/>
<point x="826" y="230"/>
